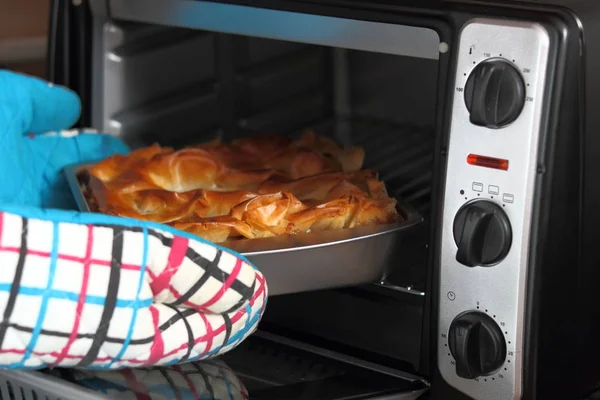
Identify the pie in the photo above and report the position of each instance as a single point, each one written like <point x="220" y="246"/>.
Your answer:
<point x="256" y="187"/>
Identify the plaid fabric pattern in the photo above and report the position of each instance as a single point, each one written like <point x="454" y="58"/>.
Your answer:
<point x="108" y="296"/>
<point x="198" y="380"/>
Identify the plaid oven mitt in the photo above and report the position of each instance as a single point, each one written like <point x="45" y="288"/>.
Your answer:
<point x="95" y="291"/>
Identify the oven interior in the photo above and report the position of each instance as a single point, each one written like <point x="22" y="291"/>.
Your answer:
<point x="177" y="86"/>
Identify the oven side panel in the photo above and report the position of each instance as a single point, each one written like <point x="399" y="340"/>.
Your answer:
<point x="580" y="335"/>
<point x="556" y="264"/>
<point x="562" y="299"/>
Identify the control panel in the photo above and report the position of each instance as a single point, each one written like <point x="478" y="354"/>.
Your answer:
<point x="492" y="156"/>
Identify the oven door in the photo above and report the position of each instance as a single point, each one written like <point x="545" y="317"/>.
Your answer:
<point x="273" y="367"/>
<point x="264" y="367"/>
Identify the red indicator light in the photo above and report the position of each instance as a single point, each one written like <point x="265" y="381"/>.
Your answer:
<point x="488" y="162"/>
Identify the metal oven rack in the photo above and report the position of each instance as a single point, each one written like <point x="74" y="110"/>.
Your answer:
<point x="266" y="367"/>
<point x="401" y="153"/>
<point x="403" y="156"/>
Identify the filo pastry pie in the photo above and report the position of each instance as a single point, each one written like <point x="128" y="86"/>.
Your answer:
<point x="256" y="187"/>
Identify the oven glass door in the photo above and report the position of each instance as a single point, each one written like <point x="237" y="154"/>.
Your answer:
<point x="271" y="369"/>
<point x="263" y="367"/>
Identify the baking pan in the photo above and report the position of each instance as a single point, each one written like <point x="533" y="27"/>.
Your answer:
<point x="311" y="261"/>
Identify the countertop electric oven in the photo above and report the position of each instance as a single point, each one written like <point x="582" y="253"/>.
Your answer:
<point x="479" y="114"/>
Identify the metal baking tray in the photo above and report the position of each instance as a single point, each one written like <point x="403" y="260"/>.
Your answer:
<point x="311" y="261"/>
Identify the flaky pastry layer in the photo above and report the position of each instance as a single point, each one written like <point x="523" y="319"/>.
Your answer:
<point x="256" y="187"/>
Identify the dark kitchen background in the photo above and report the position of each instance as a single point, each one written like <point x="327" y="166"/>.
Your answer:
<point x="23" y="35"/>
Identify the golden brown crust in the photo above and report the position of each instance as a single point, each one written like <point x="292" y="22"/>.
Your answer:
<point x="255" y="187"/>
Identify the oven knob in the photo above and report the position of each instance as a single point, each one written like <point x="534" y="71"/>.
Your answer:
<point x="482" y="233"/>
<point x="477" y="344"/>
<point x="494" y="93"/>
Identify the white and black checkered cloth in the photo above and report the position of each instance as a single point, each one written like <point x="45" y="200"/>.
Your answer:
<point x="109" y="296"/>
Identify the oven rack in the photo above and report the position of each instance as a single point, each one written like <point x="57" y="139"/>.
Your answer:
<point x="265" y="364"/>
<point x="401" y="153"/>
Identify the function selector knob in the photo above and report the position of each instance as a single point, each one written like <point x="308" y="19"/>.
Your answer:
<point x="482" y="233"/>
<point x="494" y="93"/>
<point x="477" y="344"/>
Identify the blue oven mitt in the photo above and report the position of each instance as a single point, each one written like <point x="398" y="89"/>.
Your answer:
<point x="95" y="291"/>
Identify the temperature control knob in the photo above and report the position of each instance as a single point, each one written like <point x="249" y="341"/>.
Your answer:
<point x="477" y="344"/>
<point x="494" y="93"/>
<point x="482" y="233"/>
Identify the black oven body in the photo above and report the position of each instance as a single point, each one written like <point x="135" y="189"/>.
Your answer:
<point x="562" y="318"/>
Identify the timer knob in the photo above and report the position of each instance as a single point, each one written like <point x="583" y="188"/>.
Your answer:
<point x="482" y="233"/>
<point x="494" y="93"/>
<point x="477" y="344"/>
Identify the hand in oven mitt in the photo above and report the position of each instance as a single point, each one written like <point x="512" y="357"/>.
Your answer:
<point x="95" y="291"/>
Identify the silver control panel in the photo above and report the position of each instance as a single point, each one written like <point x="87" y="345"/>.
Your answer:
<point x="490" y="164"/>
